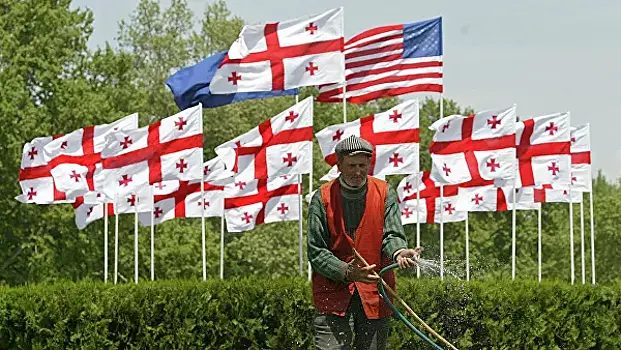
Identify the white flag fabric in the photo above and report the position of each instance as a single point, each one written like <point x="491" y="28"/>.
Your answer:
<point x="581" y="178"/>
<point x="72" y="157"/>
<point x="278" y="56"/>
<point x="87" y="213"/>
<point x="35" y="178"/>
<point x="491" y="198"/>
<point x="543" y="152"/>
<point x="475" y="148"/>
<point x="394" y="134"/>
<point x="256" y="202"/>
<point x="279" y="146"/>
<point x="170" y="149"/>
<point x="553" y="194"/>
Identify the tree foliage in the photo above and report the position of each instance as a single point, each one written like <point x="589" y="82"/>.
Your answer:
<point x="53" y="83"/>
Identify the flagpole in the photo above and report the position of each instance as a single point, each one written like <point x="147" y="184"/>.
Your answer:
<point x="441" y="232"/>
<point x="592" y="236"/>
<point x="204" y="252"/>
<point x="152" y="235"/>
<point x="539" y="242"/>
<point x="105" y="242"/>
<point x="513" y="233"/>
<point x="467" y="251"/>
<point x="116" y="239"/>
<point x="300" y="235"/>
<point x="571" y="237"/>
<point x="136" y="239"/>
<point x="582" y="237"/>
<point x="222" y="243"/>
<point x="418" y="218"/>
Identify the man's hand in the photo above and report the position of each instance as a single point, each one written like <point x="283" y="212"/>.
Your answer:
<point x="355" y="273"/>
<point x="408" y="257"/>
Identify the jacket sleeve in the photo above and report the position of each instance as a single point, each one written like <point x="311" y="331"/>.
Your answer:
<point x="394" y="234"/>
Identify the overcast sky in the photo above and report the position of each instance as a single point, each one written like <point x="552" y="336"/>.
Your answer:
<point x="546" y="56"/>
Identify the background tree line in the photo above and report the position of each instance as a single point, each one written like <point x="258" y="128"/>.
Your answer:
<point x="52" y="83"/>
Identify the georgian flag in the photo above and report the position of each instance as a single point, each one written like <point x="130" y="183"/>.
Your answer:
<point x="429" y="210"/>
<point x="285" y="55"/>
<point x="170" y="149"/>
<point x="552" y="194"/>
<point x="72" y="157"/>
<point x="477" y="148"/>
<point x="393" y="133"/>
<point x="491" y="198"/>
<point x="86" y="213"/>
<point x="278" y="146"/>
<point x="580" y="158"/>
<point x="256" y="202"/>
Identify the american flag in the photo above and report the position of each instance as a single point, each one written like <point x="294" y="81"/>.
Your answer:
<point x="390" y="61"/>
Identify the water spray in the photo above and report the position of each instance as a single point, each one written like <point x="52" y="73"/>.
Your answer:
<point x="383" y="287"/>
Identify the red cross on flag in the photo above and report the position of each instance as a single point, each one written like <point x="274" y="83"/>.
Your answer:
<point x="393" y="133"/>
<point x="256" y="202"/>
<point x="285" y="55"/>
<point x="580" y="158"/>
<point x="475" y="148"/>
<point x="543" y="152"/>
<point x="553" y="194"/>
<point x="170" y="149"/>
<point x="87" y="213"/>
<point x="35" y="178"/>
<point x="491" y="198"/>
<point x="278" y="146"/>
<point x="72" y="157"/>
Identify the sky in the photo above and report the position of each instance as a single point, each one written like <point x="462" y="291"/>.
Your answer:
<point x="545" y="56"/>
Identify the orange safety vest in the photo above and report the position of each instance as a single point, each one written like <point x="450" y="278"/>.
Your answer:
<point x="333" y="297"/>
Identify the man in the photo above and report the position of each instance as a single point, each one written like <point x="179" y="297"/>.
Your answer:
<point x="354" y="211"/>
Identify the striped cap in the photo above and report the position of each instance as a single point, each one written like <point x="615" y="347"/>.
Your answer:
<point x="353" y="145"/>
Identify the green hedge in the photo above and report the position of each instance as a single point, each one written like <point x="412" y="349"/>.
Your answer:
<point x="277" y="314"/>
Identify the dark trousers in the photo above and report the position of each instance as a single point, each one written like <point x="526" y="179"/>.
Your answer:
<point x="341" y="332"/>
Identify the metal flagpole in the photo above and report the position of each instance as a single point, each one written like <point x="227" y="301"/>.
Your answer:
<point x="513" y="233"/>
<point x="571" y="237"/>
<point x="467" y="251"/>
<point x="592" y="236"/>
<point x="204" y="252"/>
<point x="582" y="237"/>
<point x="300" y="235"/>
<point x="539" y="242"/>
<point x="116" y="239"/>
<point x="105" y="242"/>
<point x="136" y="239"/>
<point x="222" y="243"/>
<point x="442" y="232"/>
<point x="418" y="175"/>
<point x="152" y="235"/>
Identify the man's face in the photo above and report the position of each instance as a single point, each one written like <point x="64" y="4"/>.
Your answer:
<point x="354" y="169"/>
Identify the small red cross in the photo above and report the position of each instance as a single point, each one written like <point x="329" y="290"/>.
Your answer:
<point x="240" y="184"/>
<point x="407" y="212"/>
<point x="337" y="135"/>
<point x="449" y="208"/>
<point x="125" y="180"/>
<point x="446" y="126"/>
<point x="408" y="187"/>
<point x="573" y="179"/>
<point x="63" y="145"/>
<point x="206" y="170"/>
<point x="238" y="144"/>
<point x="234" y="78"/>
<point x="477" y="199"/>
<point x="554" y="168"/>
<point x="395" y="116"/>
<point x="160" y="186"/>
<point x="552" y="128"/>
<point x="446" y="169"/>
<point x="158" y="212"/>
<point x="89" y="211"/>
<point x="311" y="28"/>
<point x="126" y="142"/>
<point x="312" y="68"/>
<point x="33" y="152"/>
<point x="573" y="139"/>
<point x="132" y="200"/>
<point x="247" y="217"/>
<point x="395" y="160"/>
<point x="74" y="175"/>
<point x="205" y="203"/>
<point x="492" y="165"/>
<point x="283" y="209"/>
<point x="182" y="165"/>
<point x="291" y="117"/>
<point x="493" y="122"/>
<point x="181" y="123"/>
<point x="565" y="192"/>
<point x="289" y="159"/>
<point x="31" y="193"/>
<point x="284" y="177"/>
